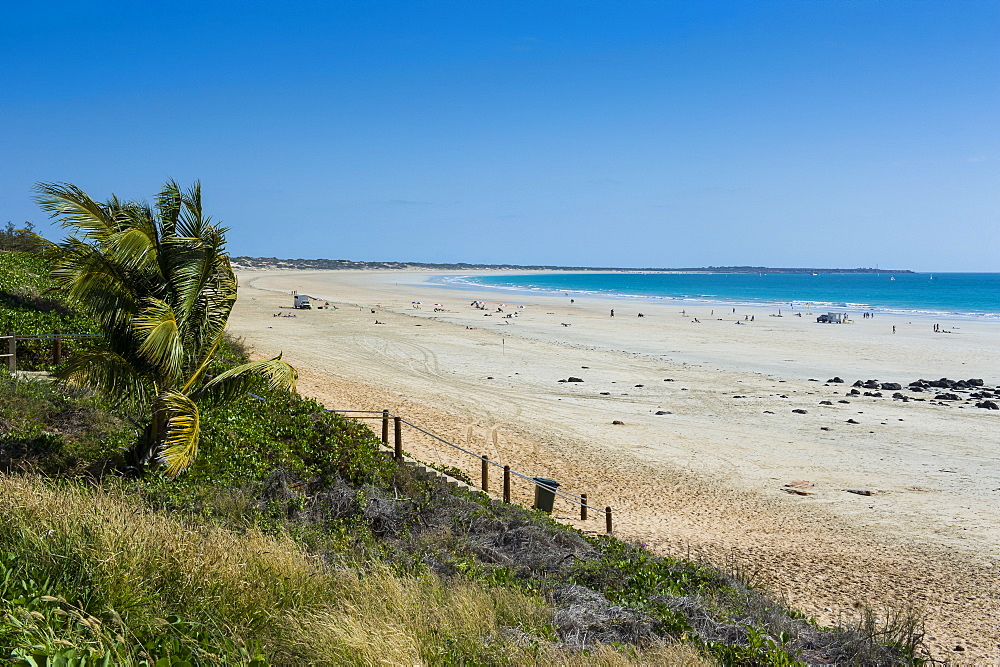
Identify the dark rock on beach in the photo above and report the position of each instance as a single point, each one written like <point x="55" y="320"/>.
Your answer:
<point x="988" y="405"/>
<point x="836" y="380"/>
<point x="574" y="379"/>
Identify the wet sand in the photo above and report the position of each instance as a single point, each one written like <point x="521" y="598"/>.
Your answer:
<point x="707" y="479"/>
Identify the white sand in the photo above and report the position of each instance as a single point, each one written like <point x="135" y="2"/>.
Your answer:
<point x="706" y="480"/>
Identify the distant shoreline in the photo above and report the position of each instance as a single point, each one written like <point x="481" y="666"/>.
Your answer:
<point x="276" y="264"/>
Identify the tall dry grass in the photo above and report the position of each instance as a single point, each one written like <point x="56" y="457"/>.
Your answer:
<point x="118" y="570"/>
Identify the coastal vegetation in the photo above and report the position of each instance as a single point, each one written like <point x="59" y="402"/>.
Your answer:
<point x="18" y="239"/>
<point x="295" y="540"/>
<point x="334" y="264"/>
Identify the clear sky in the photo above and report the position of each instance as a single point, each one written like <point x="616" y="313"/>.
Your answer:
<point x="836" y="133"/>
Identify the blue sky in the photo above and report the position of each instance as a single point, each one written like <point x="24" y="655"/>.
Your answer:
<point x="834" y="133"/>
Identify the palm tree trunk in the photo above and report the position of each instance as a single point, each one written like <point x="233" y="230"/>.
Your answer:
<point x="142" y="455"/>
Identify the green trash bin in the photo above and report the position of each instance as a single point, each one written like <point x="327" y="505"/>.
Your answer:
<point x="545" y="495"/>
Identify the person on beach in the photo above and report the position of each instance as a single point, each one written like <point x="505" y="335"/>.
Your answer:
<point x="893" y="328"/>
<point x="612" y="312"/>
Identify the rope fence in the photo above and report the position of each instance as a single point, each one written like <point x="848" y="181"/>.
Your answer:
<point x="384" y="415"/>
<point x="57" y="339"/>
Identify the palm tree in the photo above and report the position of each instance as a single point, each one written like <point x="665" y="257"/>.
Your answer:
<point x="159" y="285"/>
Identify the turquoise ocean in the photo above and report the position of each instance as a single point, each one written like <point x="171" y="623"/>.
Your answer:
<point x="955" y="295"/>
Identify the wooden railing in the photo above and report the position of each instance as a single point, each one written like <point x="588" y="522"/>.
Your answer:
<point x="57" y="339"/>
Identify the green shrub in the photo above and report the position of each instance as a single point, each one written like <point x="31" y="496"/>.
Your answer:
<point x="27" y="308"/>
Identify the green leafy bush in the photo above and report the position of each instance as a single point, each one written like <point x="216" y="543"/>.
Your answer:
<point x="58" y="431"/>
<point x="28" y="308"/>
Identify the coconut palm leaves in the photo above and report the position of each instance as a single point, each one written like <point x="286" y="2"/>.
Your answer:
<point x="159" y="284"/>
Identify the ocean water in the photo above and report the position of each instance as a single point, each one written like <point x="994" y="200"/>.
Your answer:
<point x="962" y="295"/>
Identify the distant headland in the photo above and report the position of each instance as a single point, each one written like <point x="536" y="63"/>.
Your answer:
<point x="272" y="263"/>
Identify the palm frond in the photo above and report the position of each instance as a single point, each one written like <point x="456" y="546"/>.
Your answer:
<point x="133" y="247"/>
<point x="168" y="206"/>
<point x="108" y="373"/>
<point x="181" y="431"/>
<point x="96" y="290"/>
<point x="191" y="221"/>
<point x="235" y="382"/>
<point x="209" y="292"/>
<point x="156" y="326"/>
<point x="75" y="208"/>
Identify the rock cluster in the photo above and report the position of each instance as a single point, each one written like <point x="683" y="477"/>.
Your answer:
<point x="945" y="383"/>
<point x="955" y="387"/>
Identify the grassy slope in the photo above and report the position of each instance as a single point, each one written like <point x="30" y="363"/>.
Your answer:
<point x="293" y="541"/>
<point x="27" y="308"/>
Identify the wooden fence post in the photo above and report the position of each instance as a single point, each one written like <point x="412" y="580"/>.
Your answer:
<point x="486" y="474"/>
<point x="12" y="351"/>
<point x="398" y="454"/>
<point x="583" y="506"/>
<point x="506" y="484"/>
<point x="57" y="349"/>
<point x="385" y="427"/>
<point x="607" y="519"/>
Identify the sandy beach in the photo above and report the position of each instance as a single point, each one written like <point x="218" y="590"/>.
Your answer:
<point x="745" y="410"/>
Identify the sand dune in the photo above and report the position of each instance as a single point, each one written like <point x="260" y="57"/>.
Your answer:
<point x="708" y="478"/>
